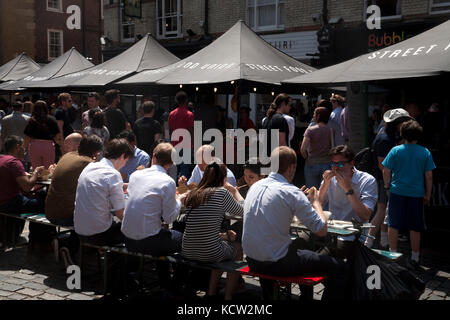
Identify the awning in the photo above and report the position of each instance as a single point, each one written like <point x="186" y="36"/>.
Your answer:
<point x="69" y="62"/>
<point x="18" y="68"/>
<point x="146" y="54"/>
<point x="239" y="54"/>
<point x="426" y="54"/>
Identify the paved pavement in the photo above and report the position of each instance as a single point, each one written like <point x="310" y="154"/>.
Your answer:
<point x="26" y="275"/>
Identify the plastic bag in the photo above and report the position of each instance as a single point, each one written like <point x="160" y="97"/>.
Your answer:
<point x="395" y="281"/>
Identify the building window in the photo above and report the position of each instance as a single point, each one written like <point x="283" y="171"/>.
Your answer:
<point x="54" y="5"/>
<point x="55" y="44"/>
<point x="266" y="14"/>
<point x="390" y="9"/>
<point x="127" y="27"/>
<point x="439" y="6"/>
<point x="170" y="18"/>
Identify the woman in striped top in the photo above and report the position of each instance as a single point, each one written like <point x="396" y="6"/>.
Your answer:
<point x="202" y="239"/>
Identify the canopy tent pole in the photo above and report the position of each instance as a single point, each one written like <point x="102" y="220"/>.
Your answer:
<point x="134" y="108"/>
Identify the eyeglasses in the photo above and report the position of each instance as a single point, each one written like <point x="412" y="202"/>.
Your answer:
<point x="339" y="164"/>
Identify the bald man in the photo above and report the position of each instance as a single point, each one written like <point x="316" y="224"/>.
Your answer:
<point x="204" y="156"/>
<point x="72" y="142"/>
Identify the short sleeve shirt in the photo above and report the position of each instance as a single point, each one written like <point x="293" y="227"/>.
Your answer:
<point x="116" y="121"/>
<point x="39" y="131"/>
<point x="320" y="144"/>
<point x="180" y="118"/>
<point x="408" y="163"/>
<point x="276" y="122"/>
<point x="381" y="147"/>
<point x="11" y="168"/>
<point x="62" y="115"/>
<point x="145" y="130"/>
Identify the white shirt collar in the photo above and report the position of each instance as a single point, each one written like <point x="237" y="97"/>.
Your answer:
<point x="157" y="167"/>
<point x="107" y="162"/>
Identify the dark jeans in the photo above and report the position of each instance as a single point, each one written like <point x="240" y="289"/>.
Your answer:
<point x="164" y="243"/>
<point x="299" y="262"/>
<point x="18" y="205"/>
<point x="110" y="237"/>
<point x="66" y="222"/>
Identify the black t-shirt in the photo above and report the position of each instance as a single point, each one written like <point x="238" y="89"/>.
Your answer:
<point x="62" y="115"/>
<point x="277" y="121"/>
<point x="116" y="121"/>
<point x="381" y="147"/>
<point x="145" y="130"/>
<point x="40" y="131"/>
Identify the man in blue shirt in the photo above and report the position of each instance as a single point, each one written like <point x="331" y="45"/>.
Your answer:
<point x="269" y="208"/>
<point x="140" y="158"/>
<point x="350" y="194"/>
<point x="407" y="168"/>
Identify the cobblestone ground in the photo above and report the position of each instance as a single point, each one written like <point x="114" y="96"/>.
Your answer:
<point x="26" y="275"/>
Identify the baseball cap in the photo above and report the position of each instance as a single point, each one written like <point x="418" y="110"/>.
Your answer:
<point x="394" y="114"/>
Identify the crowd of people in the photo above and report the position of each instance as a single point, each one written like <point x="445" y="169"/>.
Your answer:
<point x="117" y="183"/>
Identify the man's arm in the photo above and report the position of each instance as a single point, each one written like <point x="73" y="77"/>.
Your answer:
<point x="119" y="214"/>
<point x="26" y="183"/>
<point x="428" y="186"/>
<point x="360" y="208"/>
<point x="387" y="177"/>
<point x="380" y="161"/>
<point x="327" y="176"/>
<point x="304" y="147"/>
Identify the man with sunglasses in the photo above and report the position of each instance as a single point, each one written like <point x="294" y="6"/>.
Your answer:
<point x="350" y="193"/>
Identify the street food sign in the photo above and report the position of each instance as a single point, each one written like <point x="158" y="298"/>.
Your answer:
<point x="133" y="8"/>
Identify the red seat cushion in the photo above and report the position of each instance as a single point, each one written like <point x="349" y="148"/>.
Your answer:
<point x="294" y="279"/>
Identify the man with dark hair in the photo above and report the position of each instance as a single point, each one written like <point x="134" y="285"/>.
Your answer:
<point x="116" y="121"/>
<point x="269" y="208"/>
<point x="407" y="169"/>
<point x="62" y="115"/>
<point x="350" y="193"/>
<point x="100" y="191"/>
<point x="93" y="101"/>
<point x="182" y="118"/>
<point x="147" y="129"/>
<point x="60" y="203"/>
<point x="140" y="158"/>
<point x="14" y="181"/>
<point x="13" y="124"/>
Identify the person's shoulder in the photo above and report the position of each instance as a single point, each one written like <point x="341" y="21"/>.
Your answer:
<point x="365" y="176"/>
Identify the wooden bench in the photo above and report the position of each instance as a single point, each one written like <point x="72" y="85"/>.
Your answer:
<point x="36" y="218"/>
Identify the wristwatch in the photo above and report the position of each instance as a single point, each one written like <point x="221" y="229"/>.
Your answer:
<point x="350" y="192"/>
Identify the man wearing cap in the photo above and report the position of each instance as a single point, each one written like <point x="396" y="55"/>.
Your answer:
<point x="387" y="138"/>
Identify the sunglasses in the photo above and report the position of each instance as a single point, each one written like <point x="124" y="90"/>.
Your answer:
<point x="339" y="164"/>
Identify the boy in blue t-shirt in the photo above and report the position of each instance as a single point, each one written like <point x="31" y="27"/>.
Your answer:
<point x="407" y="174"/>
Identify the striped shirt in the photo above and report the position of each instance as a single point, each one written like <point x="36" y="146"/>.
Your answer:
<point x="201" y="239"/>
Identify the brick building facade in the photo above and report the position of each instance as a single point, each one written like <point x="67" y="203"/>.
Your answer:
<point x="47" y="29"/>
<point x="286" y="24"/>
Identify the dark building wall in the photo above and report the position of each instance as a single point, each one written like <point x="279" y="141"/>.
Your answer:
<point x="86" y="40"/>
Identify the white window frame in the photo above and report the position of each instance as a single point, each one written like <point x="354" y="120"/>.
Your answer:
<point x="163" y="34"/>
<point x="122" y="24"/>
<point x="61" y="33"/>
<point x="436" y="6"/>
<point x="384" y="18"/>
<point x="60" y="9"/>
<point x="256" y="27"/>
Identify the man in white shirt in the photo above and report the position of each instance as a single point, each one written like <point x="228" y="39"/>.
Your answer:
<point x="152" y="201"/>
<point x="100" y="193"/>
<point x="204" y="156"/>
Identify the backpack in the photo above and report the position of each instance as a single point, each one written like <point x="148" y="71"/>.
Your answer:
<point x="365" y="160"/>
